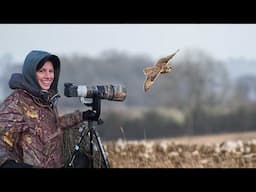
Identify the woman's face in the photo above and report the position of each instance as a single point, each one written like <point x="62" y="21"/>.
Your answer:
<point x="45" y="75"/>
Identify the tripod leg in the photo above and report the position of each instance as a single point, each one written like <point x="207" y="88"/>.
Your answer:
<point x="90" y="125"/>
<point x="79" y="159"/>
<point x="71" y="162"/>
<point x="101" y="148"/>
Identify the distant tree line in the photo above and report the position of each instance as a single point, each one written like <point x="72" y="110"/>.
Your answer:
<point x="199" y="87"/>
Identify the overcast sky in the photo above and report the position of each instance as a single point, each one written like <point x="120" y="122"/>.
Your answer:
<point x="222" y="41"/>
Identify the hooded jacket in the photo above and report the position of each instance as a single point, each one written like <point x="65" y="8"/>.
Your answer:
<point x="30" y="129"/>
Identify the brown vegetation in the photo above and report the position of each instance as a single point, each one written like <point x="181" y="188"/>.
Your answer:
<point x="218" y="151"/>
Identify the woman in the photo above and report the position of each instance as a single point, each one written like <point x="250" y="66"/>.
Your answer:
<point x="31" y="133"/>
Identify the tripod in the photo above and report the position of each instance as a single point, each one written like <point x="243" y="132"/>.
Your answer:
<point x="95" y="144"/>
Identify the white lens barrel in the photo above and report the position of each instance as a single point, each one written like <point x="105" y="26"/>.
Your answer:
<point x="82" y="90"/>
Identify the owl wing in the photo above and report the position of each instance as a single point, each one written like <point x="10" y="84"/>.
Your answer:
<point x="165" y="60"/>
<point x="152" y="74"/>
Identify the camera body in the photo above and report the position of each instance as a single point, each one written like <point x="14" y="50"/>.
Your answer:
<point x="108" y="92"/>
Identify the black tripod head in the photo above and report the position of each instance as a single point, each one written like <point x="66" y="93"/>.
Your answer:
<point x="95" y="105"/>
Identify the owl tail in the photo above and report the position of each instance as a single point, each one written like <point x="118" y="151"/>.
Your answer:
<point x="147" y="70"/>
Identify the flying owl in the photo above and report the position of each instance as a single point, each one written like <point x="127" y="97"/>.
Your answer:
<point x="160" y="67"/>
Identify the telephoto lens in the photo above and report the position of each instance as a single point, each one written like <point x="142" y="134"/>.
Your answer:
<point x="109" y="92"/>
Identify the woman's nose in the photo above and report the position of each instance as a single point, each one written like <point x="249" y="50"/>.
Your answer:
<point x="47" y="74"/>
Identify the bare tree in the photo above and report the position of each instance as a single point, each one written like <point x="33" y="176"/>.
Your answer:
<point x="244" y="91"/>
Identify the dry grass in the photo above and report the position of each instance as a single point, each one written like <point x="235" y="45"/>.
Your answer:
<point x="236" y="150"/>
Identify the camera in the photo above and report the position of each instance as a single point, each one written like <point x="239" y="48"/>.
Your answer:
<point x="108" y="92"/>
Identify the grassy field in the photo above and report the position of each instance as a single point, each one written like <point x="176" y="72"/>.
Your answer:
<point x="235" y="150"/>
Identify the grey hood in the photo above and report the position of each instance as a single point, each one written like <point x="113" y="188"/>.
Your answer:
<point x="27" y="79"/>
